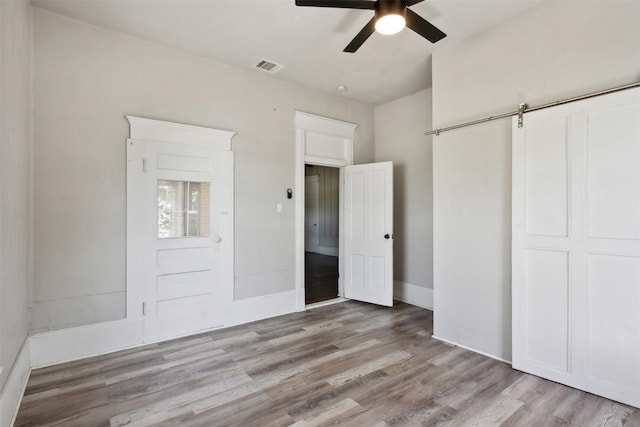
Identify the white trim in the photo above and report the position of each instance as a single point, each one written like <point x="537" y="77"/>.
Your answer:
<point x="160" y="131"/>
<point x="14" y="386"/>
<point x="328" y="250"/>
<point x="491" y="356"/>
<point x="299" y="219"/>
<point x="325" y="125"/>
<point x="326" y="302"/>
<point x="65" y="345"/>
<point x="341" y="235"/>
<point x="413" y="294"/>
<point x="261" y="307"/>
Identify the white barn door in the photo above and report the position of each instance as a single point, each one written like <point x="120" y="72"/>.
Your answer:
<point x="576" y="245"/>
<point x="368" y="228"/>
<point x="179" y="235"/>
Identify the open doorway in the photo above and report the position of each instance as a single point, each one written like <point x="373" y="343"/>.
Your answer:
<point x="322" y="198"/>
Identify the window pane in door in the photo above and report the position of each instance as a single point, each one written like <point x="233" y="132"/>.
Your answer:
<point x="183" y="209"/>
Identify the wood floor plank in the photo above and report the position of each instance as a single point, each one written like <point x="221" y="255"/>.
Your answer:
<point x="257" y="411"/>
<point x="366" y="368"/>
<point x="163" y="409"/>
<point x="497" y="411"/>
<point x="329" y="413"/>
<point x="347" y="364"/>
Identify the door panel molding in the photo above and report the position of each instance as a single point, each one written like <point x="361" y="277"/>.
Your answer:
<point x="368" y="232"/>
<point x="576" y="314"/>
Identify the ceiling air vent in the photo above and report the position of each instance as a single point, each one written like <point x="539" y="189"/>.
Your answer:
<point x="268" y="66"/>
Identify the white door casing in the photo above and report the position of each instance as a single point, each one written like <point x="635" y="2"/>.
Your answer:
<point x="311" y="214"/>
<point x="576" y="245"/>
<point x="328" y="142"/>
<point x="324" y="142"/>
<point x="368" y="229"/>
<point x="178" y="285"/>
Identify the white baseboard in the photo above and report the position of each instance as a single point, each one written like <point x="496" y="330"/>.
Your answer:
<point x="64" y="345"/>
<point x="328" y="250"/>
<point x="258" y="308"/>
<point x="472" y="349"/>
<point x="13" y="390"/>
<point x="413" y="294"/>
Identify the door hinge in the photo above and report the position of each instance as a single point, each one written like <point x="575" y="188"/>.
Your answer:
<point x="144" y="165"/>
<point x="144" y="308"/>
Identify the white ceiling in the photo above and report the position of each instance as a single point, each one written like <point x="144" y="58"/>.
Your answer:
<point x="308" y="41"/>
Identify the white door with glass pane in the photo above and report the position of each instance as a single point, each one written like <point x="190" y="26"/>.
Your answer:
<point x="179" y="236"/>
<point x="368" y="195"/>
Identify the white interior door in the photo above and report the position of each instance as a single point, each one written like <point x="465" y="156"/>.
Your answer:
<point x="184" y="283"/>
<point x="368" y="228"/>
<point x="180" y="236"/>
<point x="576" y="245"/>
<point x="311" y="214"/>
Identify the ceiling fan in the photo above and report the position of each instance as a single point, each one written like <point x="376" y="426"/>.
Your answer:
<point x="391" y="16"/>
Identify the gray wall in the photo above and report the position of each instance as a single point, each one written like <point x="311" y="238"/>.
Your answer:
<point x="329" y="199"/>
<point x="554" y="51"/>
<point x="85" y="80"/>
<point x="15" y="128"/>
<point x="399" y="137"/>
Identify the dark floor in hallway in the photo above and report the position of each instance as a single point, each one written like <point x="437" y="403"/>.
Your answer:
<point x="321" y="277"/>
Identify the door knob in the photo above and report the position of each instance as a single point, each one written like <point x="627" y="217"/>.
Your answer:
<point x="386" y="236"/>
<point x="217" y="239"/>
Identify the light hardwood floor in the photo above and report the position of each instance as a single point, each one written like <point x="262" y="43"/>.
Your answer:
<point x="347" y="364"/>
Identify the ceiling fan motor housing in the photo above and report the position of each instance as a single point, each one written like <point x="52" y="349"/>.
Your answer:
<point x="390" y="7"/>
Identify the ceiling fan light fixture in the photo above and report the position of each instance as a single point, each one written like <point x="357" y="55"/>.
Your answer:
<point x="390" y="17"/>
<point x="390" y="24"/>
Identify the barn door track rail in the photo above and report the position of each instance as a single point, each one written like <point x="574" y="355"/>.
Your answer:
<point x="524" y="108"/>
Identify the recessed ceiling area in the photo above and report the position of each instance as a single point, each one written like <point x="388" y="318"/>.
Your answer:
<point x="306" y="41"/>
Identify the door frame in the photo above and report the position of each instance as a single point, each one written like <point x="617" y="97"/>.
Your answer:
<point x="320" y="141"/>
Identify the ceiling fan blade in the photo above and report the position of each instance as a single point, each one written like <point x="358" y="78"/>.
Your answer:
<point x="345" y="4"/>
<point x="362" y="36"/>
<point x="412" y="2"/>
<point x="423" y="27"/>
